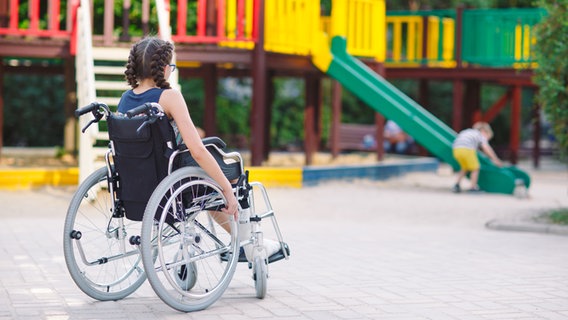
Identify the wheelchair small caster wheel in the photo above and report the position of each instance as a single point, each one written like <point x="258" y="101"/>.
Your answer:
<point x="76" y="235"/>
<point x="134" y="240"/>
<point x="260" y="276"/>
<point x="186" y="276"/>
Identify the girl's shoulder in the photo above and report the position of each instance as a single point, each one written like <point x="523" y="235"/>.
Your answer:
<point x="171" y="94"/>
<point x="171" y="99"/>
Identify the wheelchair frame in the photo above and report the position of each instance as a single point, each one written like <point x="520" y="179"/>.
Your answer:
<point x="186" y="248"/>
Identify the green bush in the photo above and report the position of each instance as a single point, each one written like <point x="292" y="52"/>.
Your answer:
<point x="551" y="50"/>
<point x="33" y="110"/>
<point x="559" y="216"/>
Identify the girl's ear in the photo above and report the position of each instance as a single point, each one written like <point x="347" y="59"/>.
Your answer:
<point x="167" y="71"/>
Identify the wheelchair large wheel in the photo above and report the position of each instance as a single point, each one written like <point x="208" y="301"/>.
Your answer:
<point x="96" y="245"/>
<point x="197" y="246"/>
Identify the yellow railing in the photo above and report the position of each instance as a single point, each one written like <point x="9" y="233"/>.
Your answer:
<point x="365" y="28"/>
<point x="362" y="23"/>
<point x="404" y="28"/>
<point x="524" y="40"/>
<point x="440" y="43"/>
<point x="294" y="26"/>
<point x="448" y="42"/>
<point x="291" y="26"/>
<point x="405" y="41"/>
<point x="232" y="27"/>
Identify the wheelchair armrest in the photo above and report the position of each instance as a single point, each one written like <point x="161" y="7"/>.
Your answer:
<point x="216" y="141"/>
<point x="231" y="163"/>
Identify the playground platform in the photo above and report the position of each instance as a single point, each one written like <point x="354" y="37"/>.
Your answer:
<point x="28" y="168"/>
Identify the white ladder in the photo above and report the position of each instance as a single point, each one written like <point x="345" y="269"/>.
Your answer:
<point x="86" y="92"/>
<point x="100" y="77"/>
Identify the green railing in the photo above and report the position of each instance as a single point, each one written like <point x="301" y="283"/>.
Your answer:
<point x="494" y="38"/>
<point x="502" y="37"/>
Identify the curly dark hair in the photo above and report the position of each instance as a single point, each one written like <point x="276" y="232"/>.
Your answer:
<point x="147" y="59"/>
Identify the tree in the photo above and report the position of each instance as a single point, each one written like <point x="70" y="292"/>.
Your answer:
<point x="551" y="50"/>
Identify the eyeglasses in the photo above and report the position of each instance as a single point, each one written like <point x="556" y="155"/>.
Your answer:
<point x="173" y="66"/>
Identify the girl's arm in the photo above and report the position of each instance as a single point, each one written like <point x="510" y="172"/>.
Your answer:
<point x="174" y="105"/>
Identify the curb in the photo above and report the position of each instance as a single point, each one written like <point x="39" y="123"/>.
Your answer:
<point x="527" y="226"/>
<point x="28" y="178"/>
<point x="294" y="177"/>
<point x="315" y="175"/>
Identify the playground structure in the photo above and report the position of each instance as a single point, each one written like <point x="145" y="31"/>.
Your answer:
<point x="266" y="39"/>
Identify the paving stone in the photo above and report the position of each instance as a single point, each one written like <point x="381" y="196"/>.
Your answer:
<point x="405" y="248"/>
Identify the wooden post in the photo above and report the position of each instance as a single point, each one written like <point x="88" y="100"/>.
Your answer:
<point x="125" y="36"/>
<point x="210" y="112"/>
<point x="4" y="14"/>
<point x="108" y="23"/>
<point x="515" y="123"/>
<point x="145" y="17"/>
<point x="536" y="136"/>
<point x="319" y="112"/>
<point x="70" y="105"/>
<point x="211" y="26"/>
<point x="379" y="68"/>
<point x="457" y="105"/>
<point x="310" y="118"/>
<point x="471" y="101"/>
<point x="459" y="35"/>
<point x="423" y="99"/>
<point x="270" y="94"/>
<point x="380" y="135"/>
<point x="210" y="79"/>
<point x="258" y="114"/>
<point x="335" y="117"/>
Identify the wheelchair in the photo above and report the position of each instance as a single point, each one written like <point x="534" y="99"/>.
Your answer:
<point x="143" y="216"/>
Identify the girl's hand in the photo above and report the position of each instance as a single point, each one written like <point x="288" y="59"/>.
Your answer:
<point x="232" y="205"/>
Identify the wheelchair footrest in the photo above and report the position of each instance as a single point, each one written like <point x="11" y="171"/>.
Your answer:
<point x="273" y="258"/>
<point x="280" y="254"/>
<point x="242" y="256"/>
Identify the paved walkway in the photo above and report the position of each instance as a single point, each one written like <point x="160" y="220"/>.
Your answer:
<point x="405" y="248"/>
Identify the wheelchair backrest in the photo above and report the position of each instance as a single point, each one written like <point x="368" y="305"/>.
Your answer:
<point x="140" y="159"/>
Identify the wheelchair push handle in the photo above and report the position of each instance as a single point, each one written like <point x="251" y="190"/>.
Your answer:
<point x="98" y="110"/>
<point x="146" y="109"/>
<point x="92" y="107"/>
<point x="152" y="111"/>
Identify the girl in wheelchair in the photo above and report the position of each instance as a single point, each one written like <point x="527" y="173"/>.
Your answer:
<point x="148" y="68"/>
<point x="196" y="225"/>
<point x="182" y="219"/>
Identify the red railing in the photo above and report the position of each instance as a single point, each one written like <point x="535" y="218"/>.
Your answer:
<point x="36" y="24"/>
<point x="193" y="21"/>
<point x="217" y="21"/>
<point x="43" y="19"/>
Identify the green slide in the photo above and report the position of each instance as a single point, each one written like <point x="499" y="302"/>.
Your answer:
<point x="425" y="128"/>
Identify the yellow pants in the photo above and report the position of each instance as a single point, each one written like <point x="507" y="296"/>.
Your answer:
<point x="467" y="159"/>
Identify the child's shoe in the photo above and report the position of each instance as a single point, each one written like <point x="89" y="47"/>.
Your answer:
<point x="456" y="188"/>
<point x="475" y="190"/>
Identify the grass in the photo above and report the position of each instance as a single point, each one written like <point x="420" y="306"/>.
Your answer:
<point x="559" y="216"/>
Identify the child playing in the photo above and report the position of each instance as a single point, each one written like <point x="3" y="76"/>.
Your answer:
<point x="465" y="152"/>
